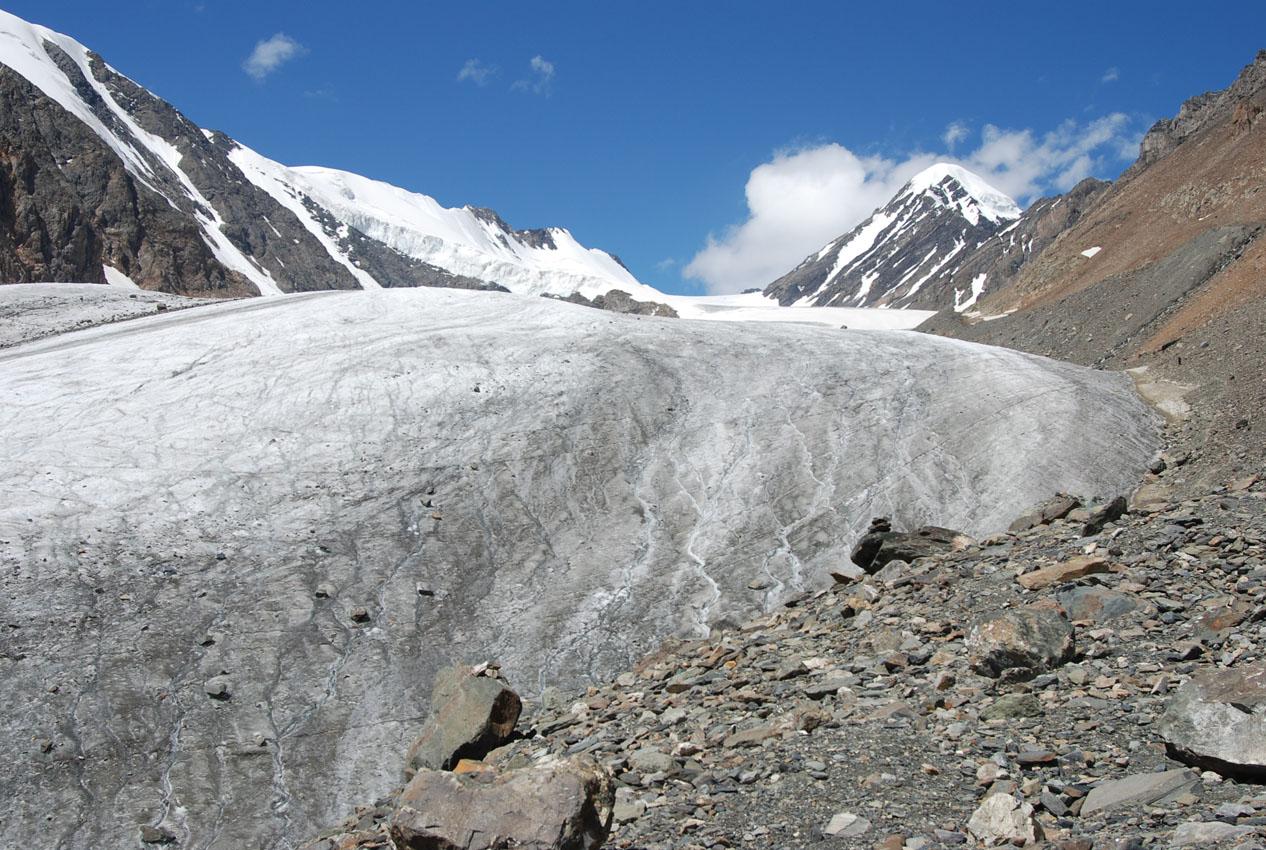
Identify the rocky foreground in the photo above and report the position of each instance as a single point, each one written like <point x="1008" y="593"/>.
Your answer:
<point x="1065" y="683"/>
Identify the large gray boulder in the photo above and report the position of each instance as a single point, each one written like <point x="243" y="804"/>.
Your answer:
<point x="470" y="715"/>
<point x="1021" y="643"/>
<point x="563" y="804"/>
<point x="1217" y="720"/>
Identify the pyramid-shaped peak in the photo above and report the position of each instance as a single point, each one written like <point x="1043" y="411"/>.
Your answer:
<point x="992" y="203"/>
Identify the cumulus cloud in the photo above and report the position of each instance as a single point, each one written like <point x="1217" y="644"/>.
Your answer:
<point x="1110" y="76"/>
<point x="804" y="198"/>
<point x="271" y="54"/>
<point x="476" y="72"/>
<point x="542" y="77"/>
<point x="954" y="134"/>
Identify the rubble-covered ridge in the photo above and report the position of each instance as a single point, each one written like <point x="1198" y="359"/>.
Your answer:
<point x="855" y="714"/>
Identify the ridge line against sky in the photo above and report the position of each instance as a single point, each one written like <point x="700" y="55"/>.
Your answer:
<point x="711" y="146"/>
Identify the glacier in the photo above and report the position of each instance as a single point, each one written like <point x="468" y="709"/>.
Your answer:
<point x="325" y="497"/>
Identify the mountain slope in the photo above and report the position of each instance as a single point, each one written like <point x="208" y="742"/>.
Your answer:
<point x="324" y="498"/>
<point x="905" y="252"/>
<point x="1164" y="271"/>
<point x="102" y="181"/>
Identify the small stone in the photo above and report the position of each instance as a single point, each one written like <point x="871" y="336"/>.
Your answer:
<point x="1002" y="819"/>
<point x="847" y="825"/>
<point x="218" y="687"/>
<point x="157" y="835"/>
<point x="1013" y="705"/>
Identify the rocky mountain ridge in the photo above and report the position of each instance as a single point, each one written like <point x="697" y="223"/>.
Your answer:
<point x="101" y="181"/>
<point x="1163" y="275"/>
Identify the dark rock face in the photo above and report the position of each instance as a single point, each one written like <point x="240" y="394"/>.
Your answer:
<point x="902" y="256"/>
<point x="1001" y="258"/>
<point x="68" y="206"/>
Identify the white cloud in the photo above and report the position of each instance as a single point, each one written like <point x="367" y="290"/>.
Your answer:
<point x="1110" y="76"/>
<point x="543" y="76"/>
<point x="477" y="73"/>
<point x="271" y="54"/>
<point x="803" y="199"/>
<point x="954" y="134"/>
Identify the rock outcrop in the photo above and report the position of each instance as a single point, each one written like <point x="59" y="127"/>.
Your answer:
<point x="618" y="301"/>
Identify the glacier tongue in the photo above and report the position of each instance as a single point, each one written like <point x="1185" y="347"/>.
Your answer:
<point x="462" y="476"/>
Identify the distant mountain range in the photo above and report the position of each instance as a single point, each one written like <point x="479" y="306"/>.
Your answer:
<point x="101" y="181"/>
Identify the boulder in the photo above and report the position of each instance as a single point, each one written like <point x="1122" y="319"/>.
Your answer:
<point x="557" y="804"/>
<point x="1103" y="514"/>
<point x="471" y="713"/>
<point x="1002" y="819"/>
<point x="1025" y="641"/>
<point x="1141" y="789"/>
<point x="1096" y="604"/>
<point x="1217" y="720"/>
<point x="878" y="547"/>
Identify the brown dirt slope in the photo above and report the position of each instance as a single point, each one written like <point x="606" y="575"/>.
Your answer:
<point x="1177" y="289"/>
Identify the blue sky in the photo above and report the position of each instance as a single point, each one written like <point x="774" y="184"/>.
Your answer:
<point x="709" y="145"/>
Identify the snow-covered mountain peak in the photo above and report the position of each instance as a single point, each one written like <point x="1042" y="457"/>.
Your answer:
<point x="974" y="197"/>
<point x="473" y="242"/>
<point x="902" y="254"/>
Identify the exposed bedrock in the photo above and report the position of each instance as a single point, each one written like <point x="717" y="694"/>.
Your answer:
<point x="237" y="542"/>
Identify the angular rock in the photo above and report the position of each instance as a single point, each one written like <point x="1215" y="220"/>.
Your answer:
<point x="1142" y="789"/>
<point x="1097" y="604"/>
<point x="470" y="715"/>
<point x="1030" y="638"/>
<point x="1011" y="706"/>
<point x="564" y="804"/>
<point x="1056" y="507"/>
<point x="1102" y="515"/>
<point x="1002" y="819"/>
<point x="1074" y="568"/>
<point x="1217" y="720"/>
<point x="1213" y="832"/>
<point x="847" y="825"/>
<point x="877" y="548"/>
